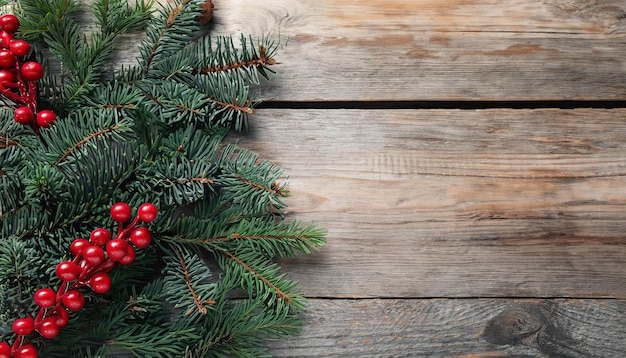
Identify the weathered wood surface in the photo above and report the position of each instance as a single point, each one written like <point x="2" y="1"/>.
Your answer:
<point x="482" y="206"/>
<point x="454" y="203"/>
<point x="442" y="50"/>
<point x="461" y="328"/>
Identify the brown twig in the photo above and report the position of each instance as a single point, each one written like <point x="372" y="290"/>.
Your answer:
<point x="261" y="60"/>
<point x="7" y="142"/>
<point x="182" y="106"/>
<point x="236" y="106"/>
<point x="273" y="189"/>
<point x="257" y="237"/>
<point x="118" y="106"/>
<point x="202" y="180"/>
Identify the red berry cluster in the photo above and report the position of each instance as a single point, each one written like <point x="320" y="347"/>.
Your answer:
<point x="18" y="79"/>
<point x="93" y="259"/>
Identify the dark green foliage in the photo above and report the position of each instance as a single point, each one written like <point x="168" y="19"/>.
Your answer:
<point x="154" y="132"/>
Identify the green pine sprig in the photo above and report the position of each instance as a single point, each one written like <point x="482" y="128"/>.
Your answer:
<point x="150" y="132"/>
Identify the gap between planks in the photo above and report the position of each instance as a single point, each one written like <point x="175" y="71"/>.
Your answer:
<point x="447" y="104"/>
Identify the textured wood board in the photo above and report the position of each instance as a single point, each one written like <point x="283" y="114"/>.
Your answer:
<point x="461" y="328"/>
<point x="438" y="50"/>
<point x="440" y="204"/>
<point x="454" y="203"/>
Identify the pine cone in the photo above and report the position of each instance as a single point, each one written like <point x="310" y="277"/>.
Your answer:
<point x="206" y="13"/>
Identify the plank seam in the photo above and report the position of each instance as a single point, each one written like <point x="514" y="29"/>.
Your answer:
<point x="442" y="104"/>
<point x="503" y="298"/>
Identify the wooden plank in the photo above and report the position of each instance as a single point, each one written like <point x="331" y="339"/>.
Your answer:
<point x="460" y="328"/>
<point x="453" y="203"/>
<point x="438" y="50"/>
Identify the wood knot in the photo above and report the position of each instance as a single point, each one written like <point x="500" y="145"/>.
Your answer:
<point x="513" y="326"/>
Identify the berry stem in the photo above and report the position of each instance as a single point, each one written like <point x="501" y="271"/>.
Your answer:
<point x="32" y="96"/>
<point x="122" y="233"/>
<point x="40" y="316"/>
<point x="17" y="343"/>
<point x="10" y="94"/>
<point x="22" y="85"/>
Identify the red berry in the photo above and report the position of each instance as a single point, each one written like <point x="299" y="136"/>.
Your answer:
<point x="62" y="318"/>
<point x="5" y="350"/>
<point x="7" y="59"/>
<point x="7" y="76"/>
<point x="93" y="255"/>
<point x="84" y="265"/>
<point x="26" y="351"/>
<point x="68" y="271"/>
<point x="23" y="115"/>
<point x="32" y="71"/>
<point x="100" y="236"/>
<point x="129" y="258"/>
<point x="121" y="212"/>
<point x="147" y="212"/>
<point x="48" y="327"/>
<point x="74" y="300"/>
<point x="9" y="23"/>
<point x="45" y="118"/>
<point x="19" y="47"/>
<point x="23" y="326"/>
<point x="107" y="265"/>
<point x="6" y="38"/>
<point x="78" y="245"/>
<point x="45" y="297"/>
<point x="141" y="237"/>
<point x="100" y="282"/>
<point x="116" y="249"/>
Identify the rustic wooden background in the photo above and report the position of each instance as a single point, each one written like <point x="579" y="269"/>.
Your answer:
<point x="468" y="161"/>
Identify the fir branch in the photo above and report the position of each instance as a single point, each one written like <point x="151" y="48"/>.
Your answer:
<point x="256" y="61"/>
<point x="25" y="220"/>
<point x="173" y="102"/>
<point x="188" y="109"/>
<point x="279" y="293"/>
<point x="118" y="16"/>
<point x="172" y="15"/>
<point x="198" y="301"/>
<point x="201" y="180"/>
<point x="36" y="15"/>
<point x="155" y="133"/>
<point x="17" y="284"/>
<point x="246" y="61"/>
<point x="85" y="141"/>
<point x="178" y="180"/>
<point x="251" y="183"/>
<point x="6" y="141"/>
<point x="90" y="126"/>
<point x="119" y="106"/>
<point x="235" y="236"/>
<point x="193" y="144"/>
<point x="235" y="106"/>
<point x="274" y="188"/>
<point x="272" y="239"/>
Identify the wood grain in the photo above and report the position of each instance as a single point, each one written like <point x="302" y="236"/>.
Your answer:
<point x="454" y="203"/>
<point x="482" y="206"/>
<point x="460" y="328"/>
<point x="437" y="50"/>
